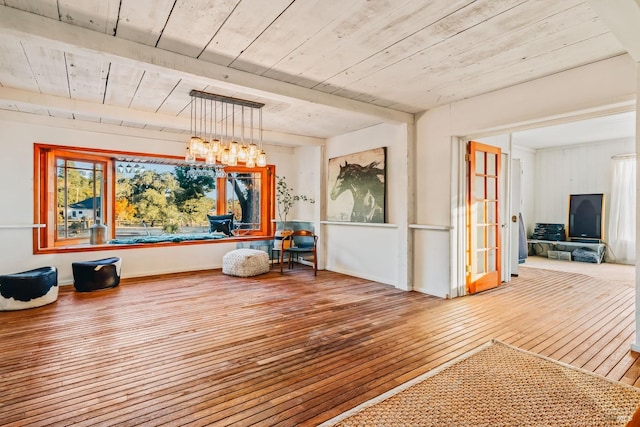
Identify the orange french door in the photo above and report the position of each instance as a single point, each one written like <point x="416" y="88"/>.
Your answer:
<point x="483" y="226"/>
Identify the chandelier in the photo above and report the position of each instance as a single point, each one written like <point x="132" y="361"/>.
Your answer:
<point x="213" y="126"/>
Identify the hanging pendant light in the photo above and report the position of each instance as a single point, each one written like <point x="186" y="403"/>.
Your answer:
<point x="261" y="161"/>
<point x="207" y="144"/>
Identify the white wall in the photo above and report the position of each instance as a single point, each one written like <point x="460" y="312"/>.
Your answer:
<point x="16" y="178"/>
<point x="306" y="180"/>
<point x="575" y="169"/>
<point x="372" y="251"/>
<point x="381" y="253"/>
<point x="591" y="89"/>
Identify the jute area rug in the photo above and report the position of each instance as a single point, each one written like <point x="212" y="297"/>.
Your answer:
<point x="500" y="385"/>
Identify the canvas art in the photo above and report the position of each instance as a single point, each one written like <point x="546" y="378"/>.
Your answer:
<point x="357" y="187"/>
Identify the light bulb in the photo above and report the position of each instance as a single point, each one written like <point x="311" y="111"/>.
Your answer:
<point x="253" y="150"/>
<point x="193" y="144"/>
<point x="233" y="147"/>
<point x="224" y="158"/>
<point x="210" y="158"/>
<point x="199" y="147"/>
<point x="243" y="154"/>
<point x="262" y="159"/>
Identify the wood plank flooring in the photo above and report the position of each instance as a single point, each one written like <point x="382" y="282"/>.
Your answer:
<point x="203" y="348"/>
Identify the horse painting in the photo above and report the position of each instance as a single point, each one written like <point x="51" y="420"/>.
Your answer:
<point x="366" y="184"/>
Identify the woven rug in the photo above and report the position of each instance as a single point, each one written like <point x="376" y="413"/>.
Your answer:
<point x="500" y="385"/>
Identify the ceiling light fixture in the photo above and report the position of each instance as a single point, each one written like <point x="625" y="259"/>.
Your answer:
<point x="216" y="147"/>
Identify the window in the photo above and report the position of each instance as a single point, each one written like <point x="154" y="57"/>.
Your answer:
<point x="144" y="199"/>
<point x="79" y="188"/>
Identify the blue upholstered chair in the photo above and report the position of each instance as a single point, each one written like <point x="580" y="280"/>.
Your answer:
<point x="302" y="242"/>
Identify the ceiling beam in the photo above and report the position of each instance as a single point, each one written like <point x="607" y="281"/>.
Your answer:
<point x="50" y="32"/>
<point x="109" y="112"/>
<point x="622" y="17"/>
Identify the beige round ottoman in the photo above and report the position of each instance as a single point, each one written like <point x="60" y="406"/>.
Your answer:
<point x="245" y="262"/>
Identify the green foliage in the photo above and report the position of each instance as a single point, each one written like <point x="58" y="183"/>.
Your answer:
<point x="171" y="199"/>
<point x="286" y="199"/>
<point x="170" y="228"/>
<point x="190" y="187"/>
<point x="195" y="210"/>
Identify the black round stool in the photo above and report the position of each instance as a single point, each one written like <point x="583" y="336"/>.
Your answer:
<point x="99" y="274"/>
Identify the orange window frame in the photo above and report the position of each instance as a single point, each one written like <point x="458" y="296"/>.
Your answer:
<point x="47" y="200"/>
<point x="45" y="211"/>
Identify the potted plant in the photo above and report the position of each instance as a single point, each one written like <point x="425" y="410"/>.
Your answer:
<point x="285" y="199"/>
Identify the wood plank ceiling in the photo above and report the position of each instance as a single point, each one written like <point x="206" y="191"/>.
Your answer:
<point x="322" y="67"/>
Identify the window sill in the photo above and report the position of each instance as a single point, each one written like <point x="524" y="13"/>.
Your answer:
<point x="118" y="246"/>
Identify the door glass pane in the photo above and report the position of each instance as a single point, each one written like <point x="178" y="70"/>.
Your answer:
<point x="491" y="188"/>
<point x="479" y="189"/>
<point x="491" y="212"/>
<point x="481" y="239"/>
<point x="480" y="262"/>
<point x="491" y="261"/>
<point x="480" y="168"/>
<point x="491" y="164"/>
<point x="480" y="213"/>
<point x="491" y="236"/>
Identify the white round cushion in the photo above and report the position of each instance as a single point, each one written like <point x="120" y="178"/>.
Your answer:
<point x="245" y="262"/>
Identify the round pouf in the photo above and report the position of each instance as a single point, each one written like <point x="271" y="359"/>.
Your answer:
<point x="99" y="274"/>
<point x="245" y="262"/>
<point x="28" y="289"/>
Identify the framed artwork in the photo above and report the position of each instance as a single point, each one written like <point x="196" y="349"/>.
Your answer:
<point x="357" y="187"/>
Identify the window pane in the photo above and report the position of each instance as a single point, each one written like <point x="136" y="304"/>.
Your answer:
<point x="146" y="196"/>
<point x="78" y="193"/>
<point x="154" y="199"/>
<point x="243" y="200"/>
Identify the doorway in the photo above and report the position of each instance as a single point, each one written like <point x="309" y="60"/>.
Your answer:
<point x="483" y="224"/>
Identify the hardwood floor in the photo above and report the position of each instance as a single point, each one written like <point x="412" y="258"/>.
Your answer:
<point x="208" y="349"/>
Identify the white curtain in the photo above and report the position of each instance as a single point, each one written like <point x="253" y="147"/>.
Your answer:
<point x="622" y="214"/>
